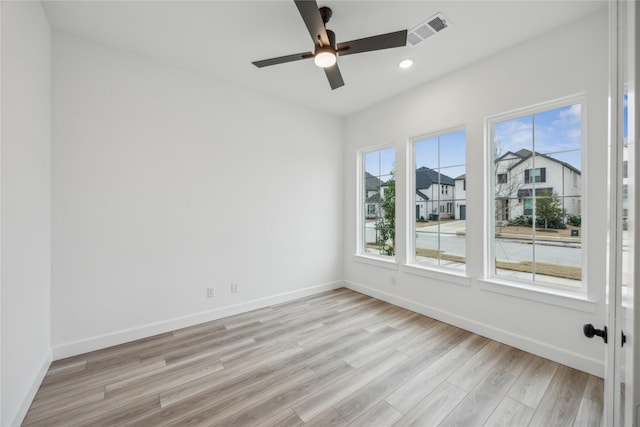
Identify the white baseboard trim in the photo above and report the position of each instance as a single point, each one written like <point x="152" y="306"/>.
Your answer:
<point x="557" y="354"/>
<point x="33" y="389"/>
<point x="107" y="340"/>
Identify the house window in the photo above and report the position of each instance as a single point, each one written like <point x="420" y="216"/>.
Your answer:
<point x="377" y="188"/>
<point x="535" y="175"/>
<point x="528" y="207"/>
<point x="534" y="155"/>
<point x="439" y="161"/>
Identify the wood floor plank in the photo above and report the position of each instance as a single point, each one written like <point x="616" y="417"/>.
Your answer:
<point x="334" y="358"/>
<point x="478" y="366"/>
<point x="368" y="396"/>
<point x="350" y="383"/>
<point x="417" y="388"/>
<point x="382" y="414"/>
<point x="510" y="413"/>
<point x="485" y="397"/>
<point x="434" y="408"/>
<point x="287" y="396"/>
<point x="242" y="403"/>
<point x="591" y="405"/>
<point x="562" y="399"/>
<point x="531" y="386"/>
<point x="286" y="418"/>
<point x="330" y="417"/>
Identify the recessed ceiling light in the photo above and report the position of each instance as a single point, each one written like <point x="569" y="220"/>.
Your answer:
<point x="405" y="63"/>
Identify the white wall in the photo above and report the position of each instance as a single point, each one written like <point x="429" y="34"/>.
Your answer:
<point x="565" y="62"/>
<point x="26" y="208"/>
<point x="158" y="173"/>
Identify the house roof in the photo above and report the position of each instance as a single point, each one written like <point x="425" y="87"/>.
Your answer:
<point x="525" y="154"/>
<point x="463" y="176"/>
<point x="371" y="182"/>
<point x="425" y="177"/>
<point x="421" y="194"/>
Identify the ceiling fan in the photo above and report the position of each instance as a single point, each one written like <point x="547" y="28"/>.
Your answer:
<point x="326" y="50"/>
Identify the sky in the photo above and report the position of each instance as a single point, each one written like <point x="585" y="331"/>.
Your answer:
<point x="446" y="153"/>
<point x="557" y="133"/>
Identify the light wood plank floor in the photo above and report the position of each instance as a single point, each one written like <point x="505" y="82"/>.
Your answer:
<point x="335" y="359"/>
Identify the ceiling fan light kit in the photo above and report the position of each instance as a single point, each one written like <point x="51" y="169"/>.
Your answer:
<point x="326" y="50"/>
<point x="405" y="63"/>
<point x="325" y="57"/>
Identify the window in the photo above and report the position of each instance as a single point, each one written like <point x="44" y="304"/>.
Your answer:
<point x="535" y="175"/>
<point x="536" y="232"/>
<point x="378" y="188"/>
<point x="439" y="198"/>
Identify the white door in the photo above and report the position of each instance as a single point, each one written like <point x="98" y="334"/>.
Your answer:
<point x="621" y="391"/>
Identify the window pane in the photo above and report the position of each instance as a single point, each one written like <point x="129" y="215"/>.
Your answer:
<point x="440" y="201"/>
<point x="514" y="252"/>
<point x="513" y="135"/>
<point x="538" y="184"/>
<point x="378" y="209"/>
<point x="559" y="129"/>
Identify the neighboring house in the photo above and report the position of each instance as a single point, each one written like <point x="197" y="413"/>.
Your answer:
<point x="517" y="181"/>
<point x="435" y="194"/>
<point x="372" y="196"/>
<point x="460" y="194"/>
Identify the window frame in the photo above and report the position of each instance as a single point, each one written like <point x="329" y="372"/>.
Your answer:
<point x="361" y="210"/>
<point x="454" y="275"/>
<point x="511" y="285"/>
<point x="542" y="175"/>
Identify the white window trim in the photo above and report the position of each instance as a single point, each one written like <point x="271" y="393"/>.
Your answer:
<point x="361" y="255"/>
<point x="542" y="292"/>
<point x="411" y="266"/>
<point x="437" y="273"/>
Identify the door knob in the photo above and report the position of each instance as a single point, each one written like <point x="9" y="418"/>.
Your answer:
<point x="590" y="331"/>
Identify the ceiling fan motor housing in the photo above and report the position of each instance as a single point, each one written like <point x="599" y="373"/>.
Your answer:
<point x="326" y="13"/>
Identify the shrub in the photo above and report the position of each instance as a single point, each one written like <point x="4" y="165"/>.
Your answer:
<point x="574" y="220"/>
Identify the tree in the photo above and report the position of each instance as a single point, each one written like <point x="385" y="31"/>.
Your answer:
<point x="386" y="226"/>
<point x="549" y="209"/>
<point x="508" y="181"/>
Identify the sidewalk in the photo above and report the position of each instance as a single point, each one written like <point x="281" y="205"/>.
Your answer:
<point x="459" y="228"/>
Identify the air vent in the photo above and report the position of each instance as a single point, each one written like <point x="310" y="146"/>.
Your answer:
<point x="431" y="26"/>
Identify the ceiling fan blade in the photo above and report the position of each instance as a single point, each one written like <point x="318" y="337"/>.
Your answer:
<point x="367" y="44"/>
<point x="282" y="59"/>
<point x="313" y="20"/>
<point x="334" y="76"/>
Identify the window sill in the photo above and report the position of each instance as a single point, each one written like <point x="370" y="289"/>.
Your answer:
<point x="442" y="275"/>
<point x="378" y="261"/>
<point x="556" y="297"/>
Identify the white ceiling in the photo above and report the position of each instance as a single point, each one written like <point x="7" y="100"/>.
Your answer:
<point x="221" y="38"/>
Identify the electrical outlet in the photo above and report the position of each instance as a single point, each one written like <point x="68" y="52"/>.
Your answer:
<point x="393" y="280"/>
<point x="211" y="292"/>
<point x="235" y="288"/>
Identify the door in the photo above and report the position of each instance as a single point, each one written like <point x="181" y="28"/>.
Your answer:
<point x="463" y="212"/>
<point x="621" y="391"/>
